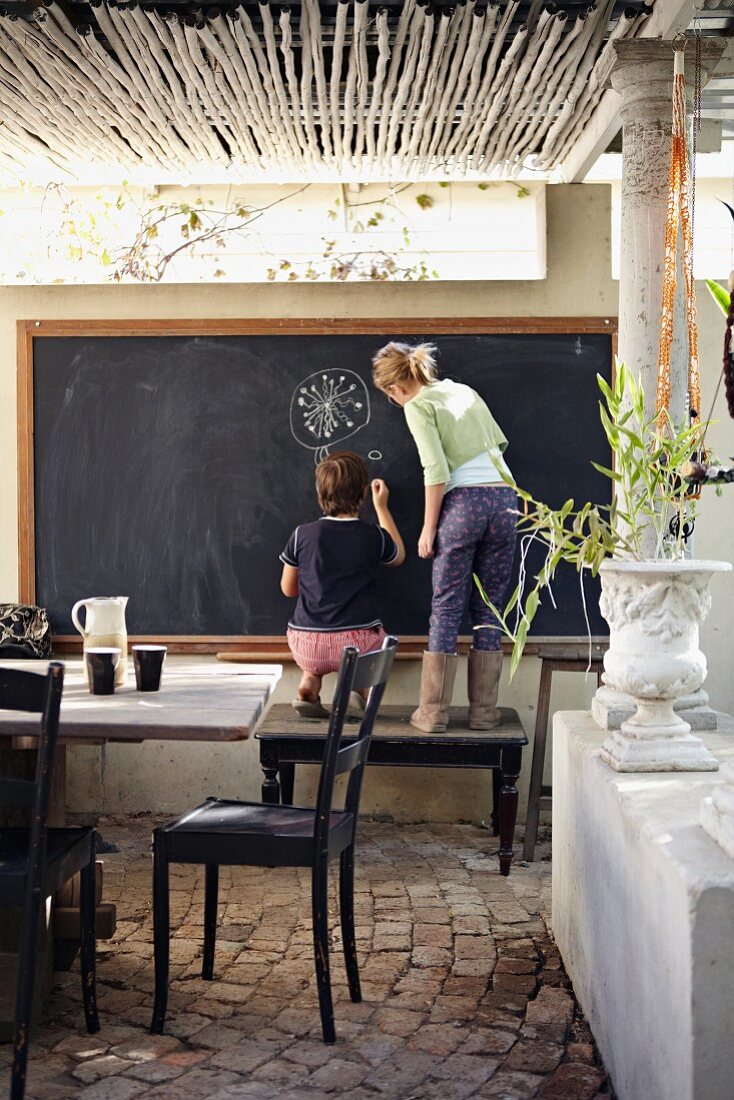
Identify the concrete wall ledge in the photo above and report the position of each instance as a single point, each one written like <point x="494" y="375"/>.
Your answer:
<point x="643" y="913"/>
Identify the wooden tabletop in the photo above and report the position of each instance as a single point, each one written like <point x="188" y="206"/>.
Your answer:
<point x="199" y="700"/>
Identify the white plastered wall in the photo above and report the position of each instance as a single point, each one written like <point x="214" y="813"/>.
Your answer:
<point x="168" y="778"/>
<point x="77" y="235"/>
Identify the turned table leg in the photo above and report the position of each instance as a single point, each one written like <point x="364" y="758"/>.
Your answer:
<point x="510" y="767"/>
<point x="496" y="788"/>
<point x="270" y="790"/>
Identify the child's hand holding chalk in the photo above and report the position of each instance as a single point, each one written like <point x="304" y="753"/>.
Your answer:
<point x="380" y="493"/>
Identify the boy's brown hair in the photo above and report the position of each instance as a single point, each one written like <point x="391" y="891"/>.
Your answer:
<point x="341" y="483"/>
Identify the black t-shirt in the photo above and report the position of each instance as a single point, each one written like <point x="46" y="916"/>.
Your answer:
<point x="337" y="562"/>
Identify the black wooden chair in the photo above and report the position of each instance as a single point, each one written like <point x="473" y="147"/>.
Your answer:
<point x="35" y="862"/>
<point x="221" y="832"/>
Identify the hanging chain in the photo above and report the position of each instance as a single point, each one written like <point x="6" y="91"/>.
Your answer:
<point x="694" y="379"/>
<point x="678" y="215"/>
<point x="696" y="127"/>
<point x="726" y="376"/>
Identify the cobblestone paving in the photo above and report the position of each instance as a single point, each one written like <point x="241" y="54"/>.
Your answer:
<point x="464" y="994"/>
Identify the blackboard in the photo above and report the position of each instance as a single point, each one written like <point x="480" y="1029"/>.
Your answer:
<point x="171" y="468"/>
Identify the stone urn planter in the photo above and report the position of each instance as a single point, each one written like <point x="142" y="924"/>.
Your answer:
<point x="654" y="610"/>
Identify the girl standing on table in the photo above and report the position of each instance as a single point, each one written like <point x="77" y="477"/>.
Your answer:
<point x="469" y="526"/>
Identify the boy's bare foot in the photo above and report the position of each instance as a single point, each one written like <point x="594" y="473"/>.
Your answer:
<point x="309" y="688"/>
<point x="308" y="704"/>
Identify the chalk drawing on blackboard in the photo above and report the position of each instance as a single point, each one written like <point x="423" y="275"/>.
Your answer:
<point x="328" y="407"/>
<point x="374" y="456"/>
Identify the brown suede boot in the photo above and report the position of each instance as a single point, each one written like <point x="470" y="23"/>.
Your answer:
<point x="437" y="687"/>
<point x="484" y="668"/>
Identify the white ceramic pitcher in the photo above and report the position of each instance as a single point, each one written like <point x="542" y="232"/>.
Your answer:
<point x="104" y="626"/>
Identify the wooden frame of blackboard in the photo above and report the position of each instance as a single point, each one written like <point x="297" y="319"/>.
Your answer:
<point x="271" y="647"/>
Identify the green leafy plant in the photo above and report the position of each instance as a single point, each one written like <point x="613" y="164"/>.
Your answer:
<point x="652" y="458"/>
<point x="719" y="295"/>
<point x="716" y="290"/>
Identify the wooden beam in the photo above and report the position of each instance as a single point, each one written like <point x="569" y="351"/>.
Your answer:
<point x="305" y="326"/>
<point x="669" y="17"/>
<point x="26" y="494"/>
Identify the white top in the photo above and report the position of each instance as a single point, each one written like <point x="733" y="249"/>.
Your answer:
<point x="483" y="469"/>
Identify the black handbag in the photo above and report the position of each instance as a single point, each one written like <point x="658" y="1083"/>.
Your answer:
<point x="24" y="631"/>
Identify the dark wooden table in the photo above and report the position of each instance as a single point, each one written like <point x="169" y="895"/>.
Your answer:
<point x="287" y="740"/>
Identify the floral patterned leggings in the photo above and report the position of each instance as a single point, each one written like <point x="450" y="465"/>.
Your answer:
<point x="476" y="534"/>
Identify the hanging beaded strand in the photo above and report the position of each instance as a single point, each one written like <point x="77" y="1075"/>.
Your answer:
<point x="678" y="216"/>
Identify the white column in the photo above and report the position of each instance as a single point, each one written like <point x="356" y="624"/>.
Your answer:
<point x="643" y="77"/>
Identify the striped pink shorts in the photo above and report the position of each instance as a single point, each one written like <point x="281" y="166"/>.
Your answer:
<point x="319" y="653"/>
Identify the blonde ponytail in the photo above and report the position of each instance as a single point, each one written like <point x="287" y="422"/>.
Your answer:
<point x="397" y="364"/>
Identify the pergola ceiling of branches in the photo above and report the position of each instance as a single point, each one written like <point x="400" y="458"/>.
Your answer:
<point x="315" y="90"/>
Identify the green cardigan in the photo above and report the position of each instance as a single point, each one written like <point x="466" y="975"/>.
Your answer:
<point x="451" y="424"/>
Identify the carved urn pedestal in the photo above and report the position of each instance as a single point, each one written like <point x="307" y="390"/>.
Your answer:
<point x="654" y="610"/>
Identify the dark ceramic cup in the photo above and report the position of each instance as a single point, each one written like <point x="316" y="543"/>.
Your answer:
<point x="148" y="662"/>
<point x="101" y="664"/>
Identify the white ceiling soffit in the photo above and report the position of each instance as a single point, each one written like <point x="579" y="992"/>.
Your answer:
<point x="669" y="18"/>
<point x="97" y="91"/>
<point x="717" y="102"/>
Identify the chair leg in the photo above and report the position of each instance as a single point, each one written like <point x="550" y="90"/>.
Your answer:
<point x="89" y="942"/>
<point x="320" y="911"/>
<point x="24" y="998"/>
<point x="211" y="893"/>
<point x="346" y="916"/>
<point x="161" y="932"/>
<point x="536" y="772"/>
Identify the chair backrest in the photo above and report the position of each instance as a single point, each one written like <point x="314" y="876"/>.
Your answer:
<point x="41" y="694"/>
<point x="369" y="672"/>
